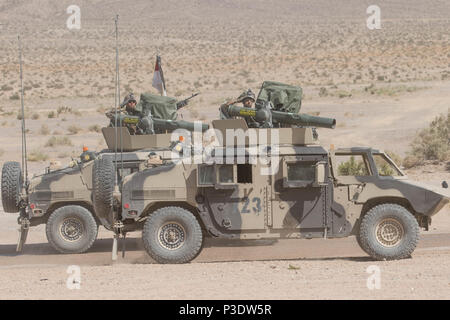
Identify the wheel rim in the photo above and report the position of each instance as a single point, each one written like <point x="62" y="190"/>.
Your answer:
<point x="389" y="232"/>
<point x="172" y="236"/>
<point x="71" y="229"/>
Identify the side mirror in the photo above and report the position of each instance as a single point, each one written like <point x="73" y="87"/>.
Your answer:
<point x="320" y="174"/>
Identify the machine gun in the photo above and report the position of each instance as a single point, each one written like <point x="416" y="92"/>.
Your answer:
<point x="264" y="116"/>
<point x="156" y="126"/>
<point x="183" y="103"/>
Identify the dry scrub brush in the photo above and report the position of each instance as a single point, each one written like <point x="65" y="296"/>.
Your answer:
<point x="432" y="143"/>
<point x="73" y="129"/>
<point x="37" y="155"/>
<point x="44" y="130"/>
<point x="58" y="141"/>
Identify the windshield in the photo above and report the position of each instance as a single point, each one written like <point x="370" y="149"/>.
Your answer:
<point x="386" y="166"/>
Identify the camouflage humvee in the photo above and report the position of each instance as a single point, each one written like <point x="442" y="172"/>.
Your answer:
<point x="61" y="198"/>
<point x="178" y="202"/>
<point x="299" y="191"/>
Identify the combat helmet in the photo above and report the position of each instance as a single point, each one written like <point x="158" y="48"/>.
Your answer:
<point x="128" y="98"/>
<point x="247" y="94"/>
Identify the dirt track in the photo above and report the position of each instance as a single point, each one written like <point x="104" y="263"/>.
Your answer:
<point x="285" y="269"/>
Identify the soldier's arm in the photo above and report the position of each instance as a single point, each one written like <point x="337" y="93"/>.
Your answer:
<point x="224" y="111"/>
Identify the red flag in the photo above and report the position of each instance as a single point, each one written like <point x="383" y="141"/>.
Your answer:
<point x="158" y="78"/>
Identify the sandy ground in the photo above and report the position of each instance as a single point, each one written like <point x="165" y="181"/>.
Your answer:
<point x="284" y="269"/>
<point x="382" y="87"/>
<point x="426" y="276"/>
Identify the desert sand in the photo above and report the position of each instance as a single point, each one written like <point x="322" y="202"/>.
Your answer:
<point x="382" y="86"/>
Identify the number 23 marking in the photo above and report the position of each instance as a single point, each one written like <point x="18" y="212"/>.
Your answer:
<point x="256" y="208"/>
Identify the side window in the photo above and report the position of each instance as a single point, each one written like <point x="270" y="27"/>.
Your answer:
<point x="301" y="171"/>
<point x="244" y="173"/>
<point x="215" y="175"/>
<point x="205" y="175"/>
<point x="384" y="167"/>
<point x="351" y="165"/>
<point x="225" y="173"/>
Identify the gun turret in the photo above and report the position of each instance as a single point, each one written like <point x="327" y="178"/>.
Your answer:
<point x="159" y="125"/>
<point x="299" y="119"/>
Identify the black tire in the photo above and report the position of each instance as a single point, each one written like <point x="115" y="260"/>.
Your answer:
<point x="103" y="187"/>
<point x="12" y="181"/>
<point x="389" y="232"/>
<point x="71" y="229"/>
<point x="182" y="225"/>
<point x="358" y="239"/>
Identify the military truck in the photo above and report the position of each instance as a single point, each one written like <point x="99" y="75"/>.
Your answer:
<point x="61" y="198"/>
<point x="312" y="193"/>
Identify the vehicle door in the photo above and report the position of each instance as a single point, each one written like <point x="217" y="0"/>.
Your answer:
<point x="299" y="194"/>
<point x="236" y="195"/>
<point x="351" y="172"/>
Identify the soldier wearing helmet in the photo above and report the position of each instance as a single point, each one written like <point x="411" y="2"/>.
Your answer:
<point x="129" y="102"/>
<point x="145" y="124"/>
<point x="247" y="98"/>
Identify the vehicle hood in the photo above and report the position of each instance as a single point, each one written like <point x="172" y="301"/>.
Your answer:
<point x="424" y="198"/>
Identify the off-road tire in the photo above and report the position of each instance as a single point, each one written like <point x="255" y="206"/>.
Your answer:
<point x="71" y="229"/>
<point x="103" y="186"/>
<point x="12" y="181"/>
<point x="358" y="240"/>
<point x="179" y="222"/>
<point x="389" y="232"/>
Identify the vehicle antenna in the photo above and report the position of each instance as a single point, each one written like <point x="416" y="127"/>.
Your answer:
<point x="24" y="222"/>
<point x="118" y="91"/>
<point x="117" y="102"/>
<point x="117" y="97"/>
<point x="24" y="140"/>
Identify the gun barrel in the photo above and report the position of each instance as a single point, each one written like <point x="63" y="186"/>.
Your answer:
<point x="303" y="119"/>
<point x="177" y="124"/>
<point x="283" y="117"/>
<point x="161" y="124"/>
<point x="182" y="103"/>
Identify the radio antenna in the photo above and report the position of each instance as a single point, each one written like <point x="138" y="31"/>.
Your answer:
<point x="118" y="87"/>
<point x="116" y="223"/>
<point x="24" y="140"/>
<point x="117" y="96"/>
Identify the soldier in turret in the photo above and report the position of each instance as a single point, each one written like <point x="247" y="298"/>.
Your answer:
<point x="247" y="98"/>
<point x="130" y="103"/>
<point x="145" y="124"/>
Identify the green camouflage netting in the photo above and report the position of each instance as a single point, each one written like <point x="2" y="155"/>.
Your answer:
<point x="161" y="107"/>
<point x="284" y="97"/>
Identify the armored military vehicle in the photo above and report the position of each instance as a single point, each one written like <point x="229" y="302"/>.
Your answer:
<point x="291" y="187"/>
<point x="61" y="198"/>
